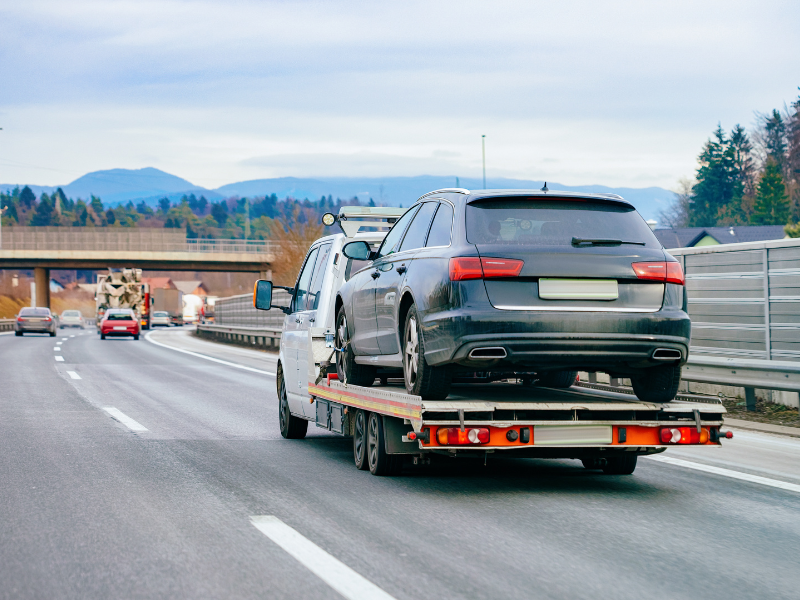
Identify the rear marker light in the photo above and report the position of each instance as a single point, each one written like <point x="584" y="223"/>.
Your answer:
<point x="472" y="267"/>
<point x="453" y="436"/>
<point x="683" y="435"/>
<point x="669" y="272"/>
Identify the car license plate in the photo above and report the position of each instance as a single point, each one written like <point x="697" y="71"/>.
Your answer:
<point x="578" y="289"/>
<point x="561" y="435"/>
<point x="120" y="328"/>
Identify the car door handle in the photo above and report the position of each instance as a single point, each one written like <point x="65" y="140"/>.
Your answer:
<point x="376" y="273"/>
<point x="401" y="269"/>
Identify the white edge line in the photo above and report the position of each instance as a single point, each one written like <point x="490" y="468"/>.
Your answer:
<point x="73" y="375"/>
<point x="332" y="571"/>
<point x="197" y="354"/>
<point x="124" y="419"/>
<point x="775" y="483"/>
<point x="59" y="358"/>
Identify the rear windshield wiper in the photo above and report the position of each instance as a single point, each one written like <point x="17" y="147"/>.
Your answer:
<point x="602" y="242"/>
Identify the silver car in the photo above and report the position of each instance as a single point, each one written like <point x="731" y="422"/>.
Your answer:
<point x="72" y="318"/>
<point x="35" y="320"/>
<point x="160" y="318"/>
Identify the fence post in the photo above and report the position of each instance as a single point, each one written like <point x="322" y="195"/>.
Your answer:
<point x="768" y="333"/>
<point x="750" y="398"/>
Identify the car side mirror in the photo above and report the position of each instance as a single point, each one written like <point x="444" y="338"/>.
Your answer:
<point x="262" y="295"/>
<point x="358" y="250"/>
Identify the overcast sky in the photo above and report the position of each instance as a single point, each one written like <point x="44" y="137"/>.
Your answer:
<point x="614" y="93"/>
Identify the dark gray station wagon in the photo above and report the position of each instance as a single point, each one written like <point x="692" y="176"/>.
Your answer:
<point x="532" y="284"/>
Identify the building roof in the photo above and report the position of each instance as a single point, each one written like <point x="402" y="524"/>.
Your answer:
<point x="191" y="287"/>
<point x="157" y="283"/>
<point x="687" y="237"/>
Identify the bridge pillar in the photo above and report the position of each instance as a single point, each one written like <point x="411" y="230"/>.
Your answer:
<point x="266" y="275"/>
<point x="41" y="276"/>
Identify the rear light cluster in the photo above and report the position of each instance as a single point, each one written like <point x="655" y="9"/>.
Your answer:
<point x="473" y="267"/>
<point x="454" y="436"/>
<point x="669" y="272"/>
<point x="684" y="435"/>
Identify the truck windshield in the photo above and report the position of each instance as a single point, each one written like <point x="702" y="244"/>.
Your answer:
<point x="536" y="222"/>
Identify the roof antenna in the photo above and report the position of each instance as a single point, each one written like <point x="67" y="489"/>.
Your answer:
<point x="544" y="188"/>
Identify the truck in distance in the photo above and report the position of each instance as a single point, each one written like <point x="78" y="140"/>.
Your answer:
<point x="123" y="288"/>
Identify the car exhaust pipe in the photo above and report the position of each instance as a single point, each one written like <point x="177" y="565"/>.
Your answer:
<point x="488" y="353"/>
<point x="667" y="354"/>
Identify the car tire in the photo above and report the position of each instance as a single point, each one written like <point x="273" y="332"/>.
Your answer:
<point x="292" y="428"/>
<point x="52" y="334"/>
<point x="657" y="384"/>
<point x="380" y="462"/>
<point x="102" y="336"/>
<point x="18" y="333"/>
<point x="558" y="379"/>
<point x="422" y="379"/>
<point x="136" y="337"/>
<point x="360" y="440"/>
<point x="347" y="369"/>
<point x="620" y="465"/>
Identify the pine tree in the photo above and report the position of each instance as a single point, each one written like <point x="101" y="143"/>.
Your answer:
<point x="43" y="215"/>
<point x="717" y="181"/>
<point x="775" y="142"/>
<point x="27" y="198"/>
<point x="772" y="203"/>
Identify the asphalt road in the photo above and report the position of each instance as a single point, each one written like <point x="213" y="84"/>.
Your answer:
<point x="90" y="508"/>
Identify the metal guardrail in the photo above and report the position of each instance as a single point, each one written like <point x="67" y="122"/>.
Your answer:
<point x="125" y="239"/>
<point x="258" y="336"/>
<point x="238" y="311"/>
<point x="7" y="324"/>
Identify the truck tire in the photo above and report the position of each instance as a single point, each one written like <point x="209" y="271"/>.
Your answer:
<point x="422" y="379"/>
<point x="558" y="379"/>
<point x="292" y="428"/>
<point x="360" y="440"/>
<point x="348" y="370"/>
<point x="624" y="464"/>
<point x="380" y="462"/>
<point x="657" y="384"/>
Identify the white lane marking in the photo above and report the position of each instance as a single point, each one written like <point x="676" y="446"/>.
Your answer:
<point x="57" y="349"/>
<point x="73" y="335"/>
<point x="59" y="359"/>
<point x="124" y="419"/>
<point x="73" y="375"/>
<point x="332" y="571"/>
<point x="197" y="354"/>
<point x="64" y="338"/>
<point x="782" y="485"/>
<point x="59" y="343"/>
<point x="6" y="332"/>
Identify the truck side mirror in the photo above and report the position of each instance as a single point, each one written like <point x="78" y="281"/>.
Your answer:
<point x="358" y="250"/>
<point x="262" y="294"/>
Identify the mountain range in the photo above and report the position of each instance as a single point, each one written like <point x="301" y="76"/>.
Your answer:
<point x="115" y="186"/>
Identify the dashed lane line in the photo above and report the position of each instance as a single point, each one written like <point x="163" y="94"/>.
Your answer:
<point x="73" y="375"/>
<point x="211" y="358"/>
<point x="332" y="571"/>
<point x="124" y="419"/>
<point x="775" y="483"/>
<point x="59" y="359"/>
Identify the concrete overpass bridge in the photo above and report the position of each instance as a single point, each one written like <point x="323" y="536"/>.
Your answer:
<point x="46" y="248"/>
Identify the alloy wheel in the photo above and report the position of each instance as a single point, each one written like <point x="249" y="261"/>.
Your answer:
<point x="411" y="354"/>
<point x="372" y="441"/>
<point x="283" y="412"/>
<point x="360" y="439"/>
<point x="341" y="344"/>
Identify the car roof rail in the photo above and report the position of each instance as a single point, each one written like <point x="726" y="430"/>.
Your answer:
<point x="446" y="191"/>
<point x="354" y="218"/>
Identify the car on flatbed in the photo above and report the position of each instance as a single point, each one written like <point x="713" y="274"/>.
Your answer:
<point x="604" y="429"/>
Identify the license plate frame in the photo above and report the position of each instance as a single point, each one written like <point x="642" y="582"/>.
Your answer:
<point x="578" y="289"/>
<point x="120" y="328"/>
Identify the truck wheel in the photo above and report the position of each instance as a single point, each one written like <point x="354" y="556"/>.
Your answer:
<point x="657" y="384"/>
<point x="292" y="428"/>
<point x="620" y="465"/>
<point x="360" y="440"/>
<point x="348" y="370"/>
<point x="422" y="379"/>
<point x="380" y="463"/>
<point x="558" y="379"/>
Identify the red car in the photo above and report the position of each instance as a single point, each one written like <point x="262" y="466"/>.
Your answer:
<point x="119" y="321"/>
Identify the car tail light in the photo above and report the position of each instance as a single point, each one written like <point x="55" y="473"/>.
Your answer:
<point x="453" y="436"/>
<point x="472" y="267"/>
<point x="670" y="272"/>
<point x="47" y="319"/>
<point x="684" y="435"/>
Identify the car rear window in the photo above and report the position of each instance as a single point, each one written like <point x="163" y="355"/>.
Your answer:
<point x="71" y="313"/>
<point x="159" y="313"/>
<point x="535" y="222"/>
<point x="119" y="316"/>
<point x="35" y="312"/>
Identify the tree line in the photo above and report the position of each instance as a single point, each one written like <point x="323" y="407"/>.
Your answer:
<point x="745" y="178"/>
<point x="262" y="217"/>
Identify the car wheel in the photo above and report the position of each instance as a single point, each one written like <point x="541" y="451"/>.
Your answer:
<point x="292" y="428"/>
<point x="360" y="440"/>
<point x="52" y="334"/>
<point x="380" y="462"/>
<point x="657" y="384"/>
<point x="620" y="465"/>
<point x="558" y="379"/>
<point x="348" y="370"/>
<point x="422" y="379"/>
<point x="136" y="337"/>
<point x="18" y="333"/>
<point x="102" y="336"/>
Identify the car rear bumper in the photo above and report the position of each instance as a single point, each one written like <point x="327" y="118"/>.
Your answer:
<point x="35" y="328"/>
<point x="119" y="333"/>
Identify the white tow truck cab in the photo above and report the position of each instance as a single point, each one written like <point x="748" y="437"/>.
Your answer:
<point x="604" y="428"/>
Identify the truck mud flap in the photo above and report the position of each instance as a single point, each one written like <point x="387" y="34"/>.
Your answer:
<point x="394" y="430"/>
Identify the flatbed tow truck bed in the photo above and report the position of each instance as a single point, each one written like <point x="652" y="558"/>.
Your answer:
<point x="530" y="421"/>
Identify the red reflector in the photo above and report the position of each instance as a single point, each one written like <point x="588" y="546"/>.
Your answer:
<point x="680" y="435"/>
<point x="472" y="267"/>
<point x="671" y="272"/>
<point x="453" y="436"/>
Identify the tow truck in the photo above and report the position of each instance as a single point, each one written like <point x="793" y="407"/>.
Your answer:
<point x="602" y="426"/>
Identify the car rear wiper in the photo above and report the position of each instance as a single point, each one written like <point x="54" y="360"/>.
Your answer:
<point x="601" y="242"/>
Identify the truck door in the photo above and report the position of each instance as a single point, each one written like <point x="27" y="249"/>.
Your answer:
<point x="392" y="271"/>
<point x="308" y="319"/>
<point x="294" y="335"/>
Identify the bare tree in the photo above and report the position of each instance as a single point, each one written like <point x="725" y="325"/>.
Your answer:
<point x="677" y="213"/>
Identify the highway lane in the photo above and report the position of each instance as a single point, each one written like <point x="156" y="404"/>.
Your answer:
<point x="92" y="509"/>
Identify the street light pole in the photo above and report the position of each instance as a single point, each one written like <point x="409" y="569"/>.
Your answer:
<point x="483" y="151"/>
